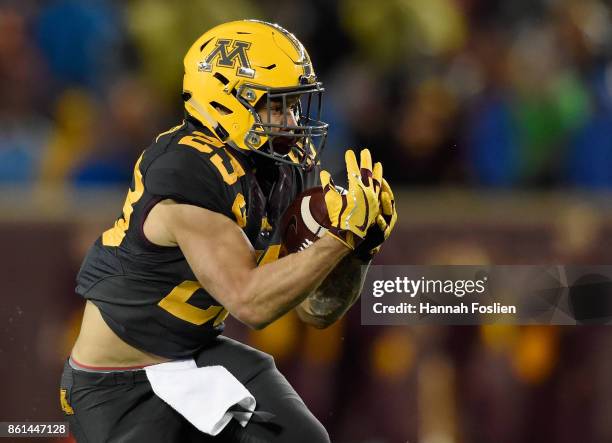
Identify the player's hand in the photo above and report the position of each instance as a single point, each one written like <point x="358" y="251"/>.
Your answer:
<point x="381" y="230"/>
<point x="353" y="212"/>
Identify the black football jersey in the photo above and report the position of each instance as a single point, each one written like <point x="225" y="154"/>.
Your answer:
<point x="146" y="293"/>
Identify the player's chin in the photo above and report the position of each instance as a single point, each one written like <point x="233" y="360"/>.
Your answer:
<point x="283" y="145"/>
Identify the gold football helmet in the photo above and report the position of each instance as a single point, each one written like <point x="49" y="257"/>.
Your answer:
<point x="236" y="69"/>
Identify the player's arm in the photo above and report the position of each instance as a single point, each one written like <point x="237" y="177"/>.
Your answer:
<point x="336" y="294"/>
<point x="223" y="261"/>
<point x="341" y="289"/>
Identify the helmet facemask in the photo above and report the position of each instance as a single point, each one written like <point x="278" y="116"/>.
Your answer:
<point x="298" y="144"/>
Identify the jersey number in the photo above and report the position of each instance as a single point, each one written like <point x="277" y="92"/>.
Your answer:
<point x="176" y="304"/>
<point x="114" y="236"/>
<point x="203" y="143"/>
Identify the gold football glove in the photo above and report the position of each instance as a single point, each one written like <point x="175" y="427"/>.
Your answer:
<point x="353" y="211"/>
<point x="381" y="230"/>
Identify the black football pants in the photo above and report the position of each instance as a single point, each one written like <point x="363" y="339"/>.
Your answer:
<point x="120" y="406"/>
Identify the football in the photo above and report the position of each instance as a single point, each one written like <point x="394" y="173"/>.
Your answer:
<point x="304" y="222"/>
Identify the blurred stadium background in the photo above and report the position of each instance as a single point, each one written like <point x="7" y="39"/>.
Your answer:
<point x="493" y="120"/>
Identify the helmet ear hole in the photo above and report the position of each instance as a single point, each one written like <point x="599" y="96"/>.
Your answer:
<point x="222" y="109"/>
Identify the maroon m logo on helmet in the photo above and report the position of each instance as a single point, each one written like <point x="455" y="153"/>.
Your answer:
<point x="225" y="59"/>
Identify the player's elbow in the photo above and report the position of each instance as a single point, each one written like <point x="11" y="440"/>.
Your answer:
<point x="258" y="326"/>
<point x="255" y="322"/>
<point x="251" y="308"/>
<point x="252" y="317"/>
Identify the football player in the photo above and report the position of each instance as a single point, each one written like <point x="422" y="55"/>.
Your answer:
<point x="197" y="240"/>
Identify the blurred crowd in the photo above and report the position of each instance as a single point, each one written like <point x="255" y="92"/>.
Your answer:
<point x="475" y="93"/>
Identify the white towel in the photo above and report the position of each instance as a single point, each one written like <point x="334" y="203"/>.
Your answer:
<point x="201" y="395"/>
